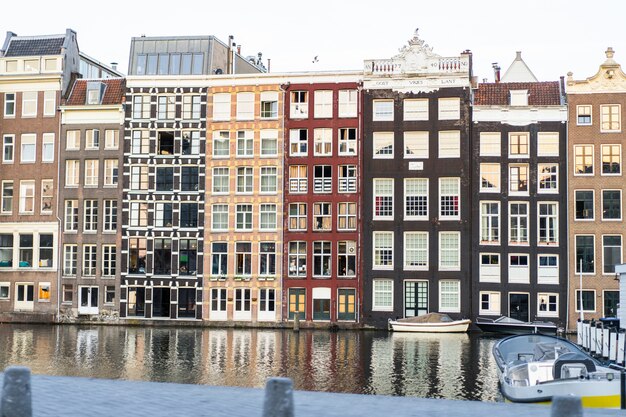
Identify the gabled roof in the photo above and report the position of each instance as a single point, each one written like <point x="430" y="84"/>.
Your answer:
<point x="498" y="94"/>
<point x="518" y="71"/>
<point x="113" y="92"/>
<point x="35" y="45"/>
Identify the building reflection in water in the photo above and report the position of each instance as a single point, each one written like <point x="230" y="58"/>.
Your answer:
<point x="435" y="366"/>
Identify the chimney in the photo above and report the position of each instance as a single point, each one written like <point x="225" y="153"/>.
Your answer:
<point x="496" y="71"/>
<point x="239" y="49"/>
<point x="114" y="66"/>
<point x="268" y="64"/>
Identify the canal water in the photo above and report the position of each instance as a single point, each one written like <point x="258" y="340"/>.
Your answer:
<point x="452" y="366"/>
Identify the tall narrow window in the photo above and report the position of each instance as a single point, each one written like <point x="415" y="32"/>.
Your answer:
<point x="110" y="216"/>
<point x="610" y="117"/>
<point x="267" y="259"/>
<point x="611" y="159"/>
<point x="8" y="148"/>
<point x="89" y="260"/>
<point x="71" y="216"/>
<point x="416" y="198"/>
<point x="346" y="259"/>
<point x="489" y="222"/>
<point x="383" y="250"/>
<point x="321" y="259"/>
<point x="348" y="100"/>
<point x="323" y="104"/>
<point x="548" y="223"/>
<point x="90" y="216"/>
<point x="383" y="198"/>
<point x="449" y="198"/>
<point x="297" y="216"/>
<point x="27" y="197"/>
<point x="346" y="216"/>
<point x="518" y="226"/>
<point x="415" y="250"/>
<point x="7" y="197"/>
<point x="585" y="255"/>
<point x="297" y="259"/>
<point x="583" y="159"/>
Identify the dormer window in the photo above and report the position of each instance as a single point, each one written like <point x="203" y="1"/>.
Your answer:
<point x="519" y="97"/>
<point x="95" y="92"/>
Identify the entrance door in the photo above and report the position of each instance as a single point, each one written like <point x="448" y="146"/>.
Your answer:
<point x="25" y="297"/>
<point x="347" y="304"/>
<point x="296" y="303"/>
<point x="88" y="300"/>
<point x="518" y="306"/>
<point x="160" y="302"/>
<point x="415" y="298"/>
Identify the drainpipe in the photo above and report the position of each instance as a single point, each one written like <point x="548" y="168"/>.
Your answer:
<point x="59" y="223"/>
<point x="283" y="92"/>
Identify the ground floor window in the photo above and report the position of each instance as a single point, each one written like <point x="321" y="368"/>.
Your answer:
<point x="450" y="296"/>
<point x="588" y="300"/>
<point x="383" y="295"/>
<point x="321" y="303"/>
<point x="489" y="303"/>
<point x="548" y="304"/>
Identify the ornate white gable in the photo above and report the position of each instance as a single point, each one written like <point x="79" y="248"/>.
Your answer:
<point x="610" y="78"/>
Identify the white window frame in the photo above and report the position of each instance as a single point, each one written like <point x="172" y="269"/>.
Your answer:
<point x="442" y="293"/>
<point x="28" y="139"/>
<point x="548" y="144"/>
<point x="415" y="257"/>
<point x="449" y="108"/>
<point x="547" y="274"/>
<point x="518" y="227"/>
<point x="583" y="146"/>
<point x="603" y="121"/>
<point x="377" y="292"/>
<point x="546" y="296"/>
<point x="11" y="145"/>
<point x="449" y="144"/>
<point x="49" y="103"/>
<point x="457" y="265"/>
<point x="347" y="143"/>
<point x="299" y="104"/>
<point x="245" y="105"/>
<point x="554" y="242"/>
<point x="348" y="102"/>
<point x="269" y="136"/>
<point x="322" y="142"/>
<point x="620" y="206"/>
<point x="377" y="246"/>
<point x="92" y="172"/>
<point x="29" y="100"/>
<point x="490" y="144"/>
<point x="218" y="211"/>
<point x="483" y="275"/>
<point x="579" y="112"/>
<point x="267" y="216"/>
<point x="47" y="147"/>
<point x="443" y="194"/>
<point x="414" y="109"/>
<point x="245" y="144"/>
<point x="389" y="191"/>
<point x="519" y="135"/>
<point x="27" y="193"/>
<point x="381" y="111"/>
<point x="555" y="174"/>
<point x="383" y="141"/>
<point x="493" y="171"/>
<point x="493" y="232"/>
<point x="609" y="146"/>
<point x="7" y="102"/>
<point x="421" y="192"/>
<point x="518" y="182"/>
<point x="221" y="106"/>
<point x="322" y="104"/>
<point x="621" y="252"/>
<point x="417" y="143"/>
<point x="494" y="297"/>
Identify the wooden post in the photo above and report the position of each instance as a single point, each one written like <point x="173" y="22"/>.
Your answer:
<point x="296" y="321"/>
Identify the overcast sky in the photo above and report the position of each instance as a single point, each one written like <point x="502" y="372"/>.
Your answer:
<point x="555" y="36"/>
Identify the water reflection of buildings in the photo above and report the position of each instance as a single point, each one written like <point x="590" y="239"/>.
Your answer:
<point x="436" y="366"/>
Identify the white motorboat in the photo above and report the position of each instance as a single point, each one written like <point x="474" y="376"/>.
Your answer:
<point x="534" y="368"/>
<point x="508" y="325"/>
<point x="430" y="323"/>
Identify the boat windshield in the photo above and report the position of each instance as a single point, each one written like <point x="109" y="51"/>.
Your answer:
<point x="531" y="348"/>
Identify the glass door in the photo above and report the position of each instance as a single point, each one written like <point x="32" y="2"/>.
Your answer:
<point x="415" y="298"/>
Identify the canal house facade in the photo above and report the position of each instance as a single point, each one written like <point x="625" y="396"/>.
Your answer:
<point x="90" y="197"/>
<point x="35" y="72"/>
<point x="519" y="186"/>
<point x="244" y="200"/>
<point x="163" y="215"/>
<point x="416" y="185"/>
<point x="596" y="180"/>
<point x="322" y="151"/>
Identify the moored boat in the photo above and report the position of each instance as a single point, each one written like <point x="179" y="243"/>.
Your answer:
<point x="535" y="368"/>
<point x="508" y="325"/>
<point x="430" y="323"/>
